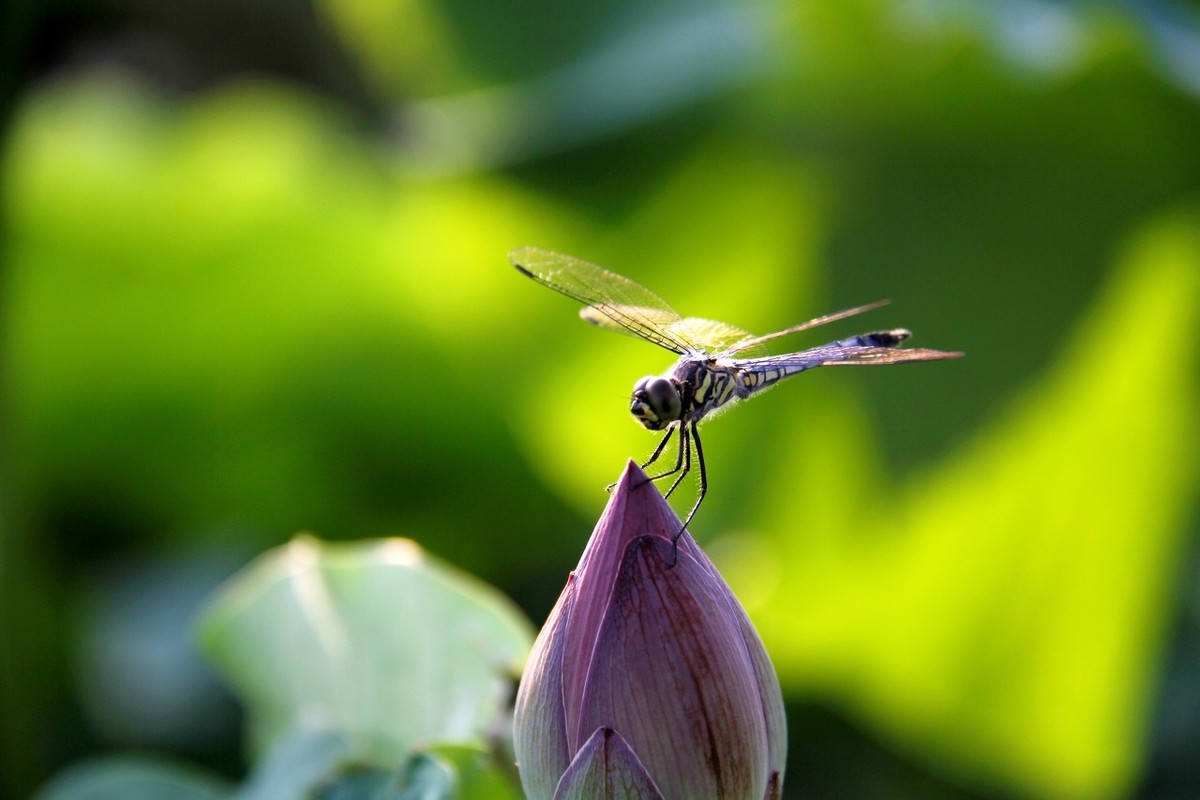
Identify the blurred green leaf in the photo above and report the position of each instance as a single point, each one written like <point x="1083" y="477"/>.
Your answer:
<point x="403" y="45"/>
<point x="322" y="764"/>
<point x="171" y="265"/>
<point x="376" y="640"/>
<point x="303" y="759"/>
<point x="364" y="784"/>
<point x="1006" y="612"/>
<point x="445" y="773"/>
<point x="133" y="778"/>
<point x="645" y="67"/>
<point x="478" y="773"/>
<point x="224" y="315"/>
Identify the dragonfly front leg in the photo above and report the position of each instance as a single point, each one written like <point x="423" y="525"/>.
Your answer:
<point x="658" y="451"/>
<point x="653" y="457"/>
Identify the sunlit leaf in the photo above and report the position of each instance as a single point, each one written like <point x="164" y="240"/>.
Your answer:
<point x="444" y="773"/>
<point x="130" y="778"/>
<point x="301" y="760"/>
<point x="1006" y="613"/>
<point x="479" y="774"/>
<point x="422" y="778"/>
<point x="377" y="641"/>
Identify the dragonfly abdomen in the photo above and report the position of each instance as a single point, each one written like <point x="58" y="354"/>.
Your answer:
<point x="761" y="378"/>
<point x="891" y="338"/>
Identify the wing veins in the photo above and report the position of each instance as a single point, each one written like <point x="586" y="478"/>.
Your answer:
<point x="845" y="356"/>
<point x="804" y="326"/>
<point x="608" y="293"/>
<point x="642" y="327"/>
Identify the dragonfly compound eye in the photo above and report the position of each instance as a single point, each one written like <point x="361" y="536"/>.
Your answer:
<point x="655" y="402"/>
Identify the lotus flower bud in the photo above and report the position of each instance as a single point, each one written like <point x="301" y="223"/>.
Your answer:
<point x="648" y="680"/>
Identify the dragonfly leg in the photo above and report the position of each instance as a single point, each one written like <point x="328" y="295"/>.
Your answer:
<point x="685" y="457"/>
<point x="653" y="457"/>
<point x="658" y="450"/>
<point x="678" y="457"/>
<point x="703" y="483"/>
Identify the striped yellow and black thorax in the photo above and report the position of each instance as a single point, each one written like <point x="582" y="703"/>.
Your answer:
<point x="706" y="384"/>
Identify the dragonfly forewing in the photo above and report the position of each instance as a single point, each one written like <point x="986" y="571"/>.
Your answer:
<point x="623" y="304"/>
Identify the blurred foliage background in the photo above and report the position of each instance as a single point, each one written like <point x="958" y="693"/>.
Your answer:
<point x="254" y="282"/>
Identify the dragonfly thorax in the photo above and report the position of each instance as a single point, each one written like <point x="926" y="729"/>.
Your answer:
<point x="656" y="402"/>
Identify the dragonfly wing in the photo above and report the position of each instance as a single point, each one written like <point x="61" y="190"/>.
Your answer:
<point x="716" y="337"/>
<point x="705" y="335"/>
<point x="613" y="301"/>
<point x="754" y="346"/>
<point x="831" y="355"/>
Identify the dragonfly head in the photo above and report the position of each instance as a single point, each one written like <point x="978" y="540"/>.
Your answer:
<point x="655" y="402"/>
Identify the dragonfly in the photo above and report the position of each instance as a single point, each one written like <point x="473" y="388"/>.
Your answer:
<point x="718" y="364"/>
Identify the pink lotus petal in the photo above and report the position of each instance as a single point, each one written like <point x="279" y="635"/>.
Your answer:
<point x="772" y="695"/>
<point x="539" y="726"/>
<point x="630" y="513"/>
<point x="686" y="701"/>
<point x="606" y="769"/>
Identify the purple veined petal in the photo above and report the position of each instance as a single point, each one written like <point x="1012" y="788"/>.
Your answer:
<point x="606" y="768"/>
<point x="772" y="695"/>
<point x="539" y="724"/>
<point x="635" y="508"/>
<point x="670" y="670"/>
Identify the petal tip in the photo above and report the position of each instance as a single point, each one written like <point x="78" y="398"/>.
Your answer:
<point x="606" y="768"/>
<point x="632" y="477"/>
<point x="638" y="508"/>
